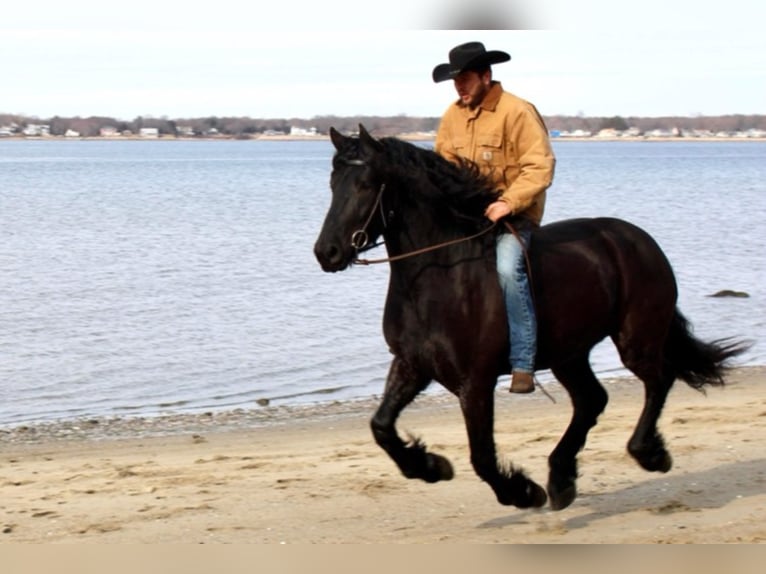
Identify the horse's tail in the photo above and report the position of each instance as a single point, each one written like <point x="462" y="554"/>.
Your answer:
<point x="697" y="362"/>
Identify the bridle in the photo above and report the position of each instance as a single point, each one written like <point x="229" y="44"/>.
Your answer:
<point x="360" y="237"/>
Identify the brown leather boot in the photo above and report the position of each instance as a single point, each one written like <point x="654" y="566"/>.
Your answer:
<point x="522" y="382"/>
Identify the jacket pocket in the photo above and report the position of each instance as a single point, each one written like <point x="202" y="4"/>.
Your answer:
<point x="489" y="150"/>
<point x="460" y="145"/>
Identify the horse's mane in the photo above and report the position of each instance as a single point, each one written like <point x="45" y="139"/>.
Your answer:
<point x="456" y="190"/>
<point x="457" y="187"/>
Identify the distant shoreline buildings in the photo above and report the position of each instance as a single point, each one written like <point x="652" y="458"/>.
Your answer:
<point x="577" y="135"/>
<point x="406" y="128"/>
<point x="635" y="133"/>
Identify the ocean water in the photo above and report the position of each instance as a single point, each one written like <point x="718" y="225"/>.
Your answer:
<point x="148" y="277"/>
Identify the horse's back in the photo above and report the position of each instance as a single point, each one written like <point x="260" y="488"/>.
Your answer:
<point x="608" y="239"/>
<point x="588" y="274"/>
<point x="585" y="227"/>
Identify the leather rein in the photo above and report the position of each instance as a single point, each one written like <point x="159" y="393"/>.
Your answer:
<point x="360" y="238"/>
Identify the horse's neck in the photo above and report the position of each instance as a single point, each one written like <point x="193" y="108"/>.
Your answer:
<point x="414" y="226"/>
<point x="423" y="246"/>
<point x="428" y="290"/>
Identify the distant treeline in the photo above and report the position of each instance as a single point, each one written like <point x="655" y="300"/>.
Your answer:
<point x="246" y="127"/>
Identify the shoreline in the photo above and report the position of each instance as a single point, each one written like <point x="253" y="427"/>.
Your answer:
<point x="405" y="137"/>
<point x="118" y="427"/>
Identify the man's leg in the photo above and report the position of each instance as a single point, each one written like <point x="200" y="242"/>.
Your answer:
<point x="511" y="267"/>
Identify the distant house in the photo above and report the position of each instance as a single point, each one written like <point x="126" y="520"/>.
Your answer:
<point x="150" y="133"/>
<point x="36" y="130"/>
<point x="296" y="131"/>
<point x="70" y="133"/>
<point x="9" y="129"/>
<point x="660" y="133"/>
<point x="575" y="134"/>
<point x="109" y="132"/>
<point x="608" y="133"/>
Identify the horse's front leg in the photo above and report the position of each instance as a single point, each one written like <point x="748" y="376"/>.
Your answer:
<point x="511" y="486"/>
<point x="412" y="458"/>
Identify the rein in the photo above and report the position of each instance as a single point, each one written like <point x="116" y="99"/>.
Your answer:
<point x="359" y="238"/>
<point x="423" y="250"/>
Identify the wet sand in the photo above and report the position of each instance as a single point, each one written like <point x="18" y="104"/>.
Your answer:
<point x="315" y="475"/>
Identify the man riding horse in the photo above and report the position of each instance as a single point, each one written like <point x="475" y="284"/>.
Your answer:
<point x="508" y="141"/>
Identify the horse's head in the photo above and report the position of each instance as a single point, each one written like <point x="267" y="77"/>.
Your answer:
<point x="350" y="224"/>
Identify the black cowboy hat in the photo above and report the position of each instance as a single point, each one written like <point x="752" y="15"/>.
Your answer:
<point x="469" y="56"/>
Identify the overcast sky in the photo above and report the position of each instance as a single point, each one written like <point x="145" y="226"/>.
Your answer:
<point x="341" y="57"/>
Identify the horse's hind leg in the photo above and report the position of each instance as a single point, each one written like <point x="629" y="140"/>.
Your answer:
<point x="588" y="401"/>
<point x="510" y="485"/>
<point x="646" y="445"/>
<point x="640" y="342"/>
<point x="402" y="386"/>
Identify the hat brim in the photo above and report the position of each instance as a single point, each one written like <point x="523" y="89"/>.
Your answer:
<point x="447" y="71"/>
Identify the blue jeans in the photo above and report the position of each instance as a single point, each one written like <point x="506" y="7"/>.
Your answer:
<point x="512" y="272"/>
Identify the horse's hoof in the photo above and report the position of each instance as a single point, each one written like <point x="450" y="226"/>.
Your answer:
<point x="667" y="463"/>
<point x="538" y="495"/>
<point x="660" y="461"/>
<point x="438" y="468"/>
<point x="562" y="498"/>
<point x="534" y="496"/>
<point x="651" y="455"/>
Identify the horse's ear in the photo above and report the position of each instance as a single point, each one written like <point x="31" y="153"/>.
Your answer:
<point x="337" y="138"/>
<point x="368" y="142"/>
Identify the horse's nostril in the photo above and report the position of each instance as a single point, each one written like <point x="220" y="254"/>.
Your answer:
<point x="328" y="255"/>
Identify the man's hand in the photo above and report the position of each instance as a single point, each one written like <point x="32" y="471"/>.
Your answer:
<point x="497" y="210"/>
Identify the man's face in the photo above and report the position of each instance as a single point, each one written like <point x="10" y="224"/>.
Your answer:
<point x="472" y="86"/>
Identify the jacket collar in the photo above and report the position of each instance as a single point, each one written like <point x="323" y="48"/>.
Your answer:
<point x="489" y="103"/>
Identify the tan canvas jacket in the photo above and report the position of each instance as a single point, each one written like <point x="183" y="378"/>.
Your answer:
<point x="507" y="138"/>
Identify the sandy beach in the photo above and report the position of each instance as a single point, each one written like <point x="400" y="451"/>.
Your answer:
<point x="315" y="475"/>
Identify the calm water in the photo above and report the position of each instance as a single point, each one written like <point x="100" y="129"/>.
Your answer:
<point x="152" y="277"/>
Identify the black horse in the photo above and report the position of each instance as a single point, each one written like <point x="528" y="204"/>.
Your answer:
<point x="444" y="317"/>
